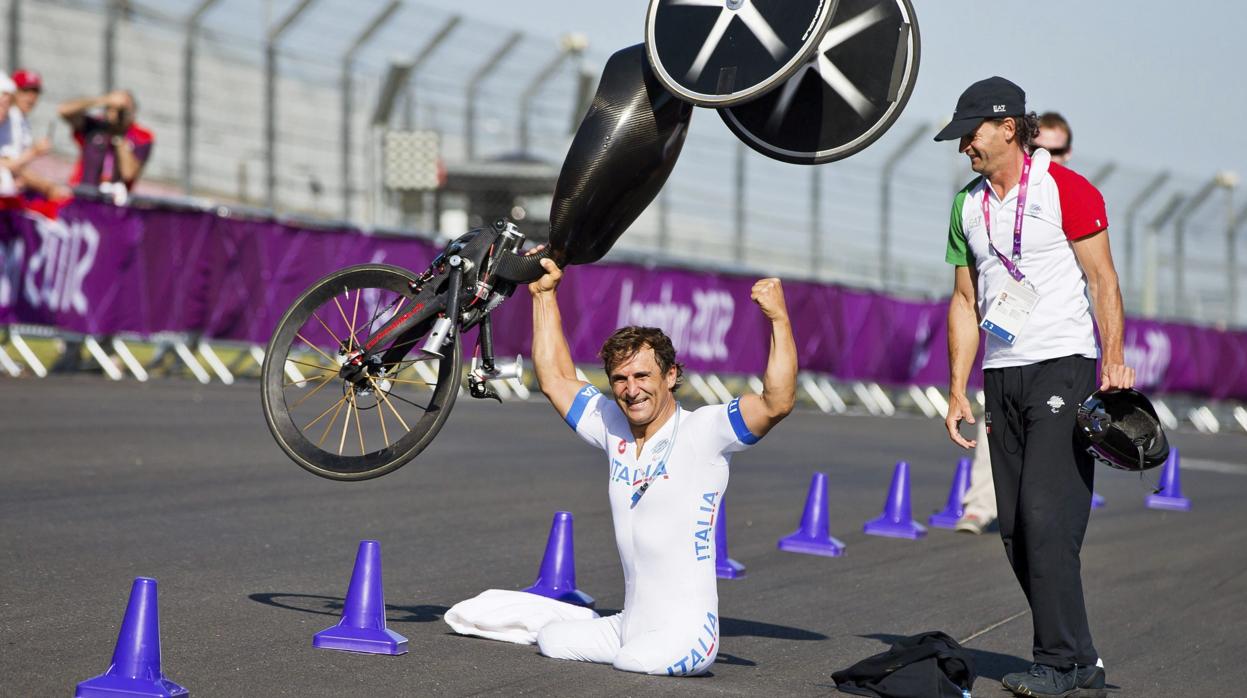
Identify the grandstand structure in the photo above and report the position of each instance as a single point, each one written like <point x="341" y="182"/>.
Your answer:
<point x="286" y="105"/>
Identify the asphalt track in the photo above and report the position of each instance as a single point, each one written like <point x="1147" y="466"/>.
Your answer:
<point x="101" y="482"/>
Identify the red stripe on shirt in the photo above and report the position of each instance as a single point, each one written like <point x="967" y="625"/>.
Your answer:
<point x="1082" y="205"/>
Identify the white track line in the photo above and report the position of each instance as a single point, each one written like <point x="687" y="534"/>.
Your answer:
<point x="993" y="626"/>
<point x="1214" y="466"/>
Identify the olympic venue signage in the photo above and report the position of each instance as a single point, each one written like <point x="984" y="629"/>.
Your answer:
<point x="102" y="269"/>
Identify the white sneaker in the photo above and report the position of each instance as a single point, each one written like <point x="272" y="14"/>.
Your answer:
<point x="971" y="523"/>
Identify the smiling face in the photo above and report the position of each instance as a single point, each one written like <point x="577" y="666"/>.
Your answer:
<point x="641" y="389"/>
<point x="989" y="146"/>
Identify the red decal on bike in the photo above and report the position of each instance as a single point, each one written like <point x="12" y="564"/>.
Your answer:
<point x="380" y="335"/>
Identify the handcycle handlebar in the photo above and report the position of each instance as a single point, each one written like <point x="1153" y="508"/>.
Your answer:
<point x="521" y="269"/>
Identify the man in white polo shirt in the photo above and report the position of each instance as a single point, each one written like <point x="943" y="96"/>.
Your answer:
<point x="1029" y="242"/>
<point x="668" y="471"/>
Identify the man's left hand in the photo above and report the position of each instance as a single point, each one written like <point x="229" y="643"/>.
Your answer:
<point x="769" y="295"/>
<point x="1116" y="376"/>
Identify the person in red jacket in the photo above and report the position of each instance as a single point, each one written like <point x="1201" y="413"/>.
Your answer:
<point x="114" y="146"/>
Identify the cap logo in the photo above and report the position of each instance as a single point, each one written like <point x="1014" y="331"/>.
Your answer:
<point x="999" y="108"/>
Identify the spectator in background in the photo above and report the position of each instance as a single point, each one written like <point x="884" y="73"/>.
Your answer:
<point x="1055" y="137"/>
<point x="114" y="148"/>
<point x="11" y="160"/>
<point x="28" y="86"/>
<point x="8" y="146"/>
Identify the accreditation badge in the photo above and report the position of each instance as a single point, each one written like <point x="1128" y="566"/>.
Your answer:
<point x="1010" y="311"/>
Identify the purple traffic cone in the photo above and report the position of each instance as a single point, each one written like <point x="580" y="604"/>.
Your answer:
<point x="953" y="509"/>
<point x="724" y="566"/>
<point x="896" y="521"/>
<point x="362" y="628"/>
<point x="557" y="577"/>
<point x="135" y="670"/>
<point x="814" y="535"/>
<point x="1098" y="501"/>
<point x="1170" y="494"/>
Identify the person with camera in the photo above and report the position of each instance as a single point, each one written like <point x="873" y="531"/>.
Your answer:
<point x="114" y="147"/>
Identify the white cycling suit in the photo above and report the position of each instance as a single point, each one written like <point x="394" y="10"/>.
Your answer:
<point x="670" y="621"/>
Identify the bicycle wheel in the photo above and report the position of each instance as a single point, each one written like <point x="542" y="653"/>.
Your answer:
<point x="355" y="425"/>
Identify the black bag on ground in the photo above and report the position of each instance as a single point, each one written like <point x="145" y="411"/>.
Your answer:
<point x="927" y="665"/>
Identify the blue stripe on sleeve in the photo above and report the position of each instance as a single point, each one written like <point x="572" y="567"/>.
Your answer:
<point x="578" y="405"/>
<point x="738" y="423"/>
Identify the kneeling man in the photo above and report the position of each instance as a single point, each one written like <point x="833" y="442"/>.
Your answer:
<point x="668" y="471"/>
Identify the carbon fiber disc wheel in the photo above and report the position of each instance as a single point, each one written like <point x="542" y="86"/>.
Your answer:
<point x="716" y="53"/>
<point x="844" y="99"/>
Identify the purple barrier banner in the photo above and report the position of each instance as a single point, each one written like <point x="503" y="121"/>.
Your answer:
<point x="101" y="269"/>
<point x="716" y="327"/>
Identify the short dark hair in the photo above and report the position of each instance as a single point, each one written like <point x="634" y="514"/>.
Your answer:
<point x="627" y="341"/>
<point x="1051" y="119"/>
<point x="1027" y="127"/>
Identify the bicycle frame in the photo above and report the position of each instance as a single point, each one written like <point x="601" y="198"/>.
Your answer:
<point x="456" y="292"/>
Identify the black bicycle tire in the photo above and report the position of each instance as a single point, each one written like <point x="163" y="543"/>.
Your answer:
<point x="351" y="468"/>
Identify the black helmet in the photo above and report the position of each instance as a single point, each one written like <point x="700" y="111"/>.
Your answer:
<point x="1122" y="430"/>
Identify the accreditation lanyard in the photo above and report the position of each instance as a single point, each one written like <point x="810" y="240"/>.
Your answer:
<point x="1011" y="264"/>
<point x="645" y="483"/>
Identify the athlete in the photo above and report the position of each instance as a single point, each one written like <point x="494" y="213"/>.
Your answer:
<point x="668" y="470"/>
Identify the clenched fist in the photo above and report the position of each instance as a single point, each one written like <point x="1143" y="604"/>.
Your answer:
<point x="769" y="295"/>
<point x="548" y="281"/>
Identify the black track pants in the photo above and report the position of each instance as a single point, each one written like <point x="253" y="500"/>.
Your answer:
<point x="1043" y="491"/>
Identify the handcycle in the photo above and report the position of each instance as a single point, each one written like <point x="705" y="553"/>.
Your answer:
<point x="369" y="358"/>
<point x="364" y="368"/>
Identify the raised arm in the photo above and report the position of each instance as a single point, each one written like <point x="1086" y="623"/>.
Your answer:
<point x="779" y="383"/>
<point x="963" y="344"/>
<point x="1096" y="260"/>
<point x="74" y="111"/>
<point x="552" y="360"/>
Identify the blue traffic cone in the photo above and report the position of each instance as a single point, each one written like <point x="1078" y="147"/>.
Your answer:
<point x="724" y="566"/>
<point x="362" y="628"/>
<point x="953" y="510"/>
<point x="557" y="577"/>
<point x="1098" y="501"/>
<point x="1170" y="494"/>
<point x="814" y="535"/>
<point x="896" y="521"/>
<point x="135" y="670"/>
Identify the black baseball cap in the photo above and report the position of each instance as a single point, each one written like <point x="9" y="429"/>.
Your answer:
<point x="993" y="98"/>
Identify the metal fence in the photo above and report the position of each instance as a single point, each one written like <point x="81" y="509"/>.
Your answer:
<point x="282" y="104"/>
